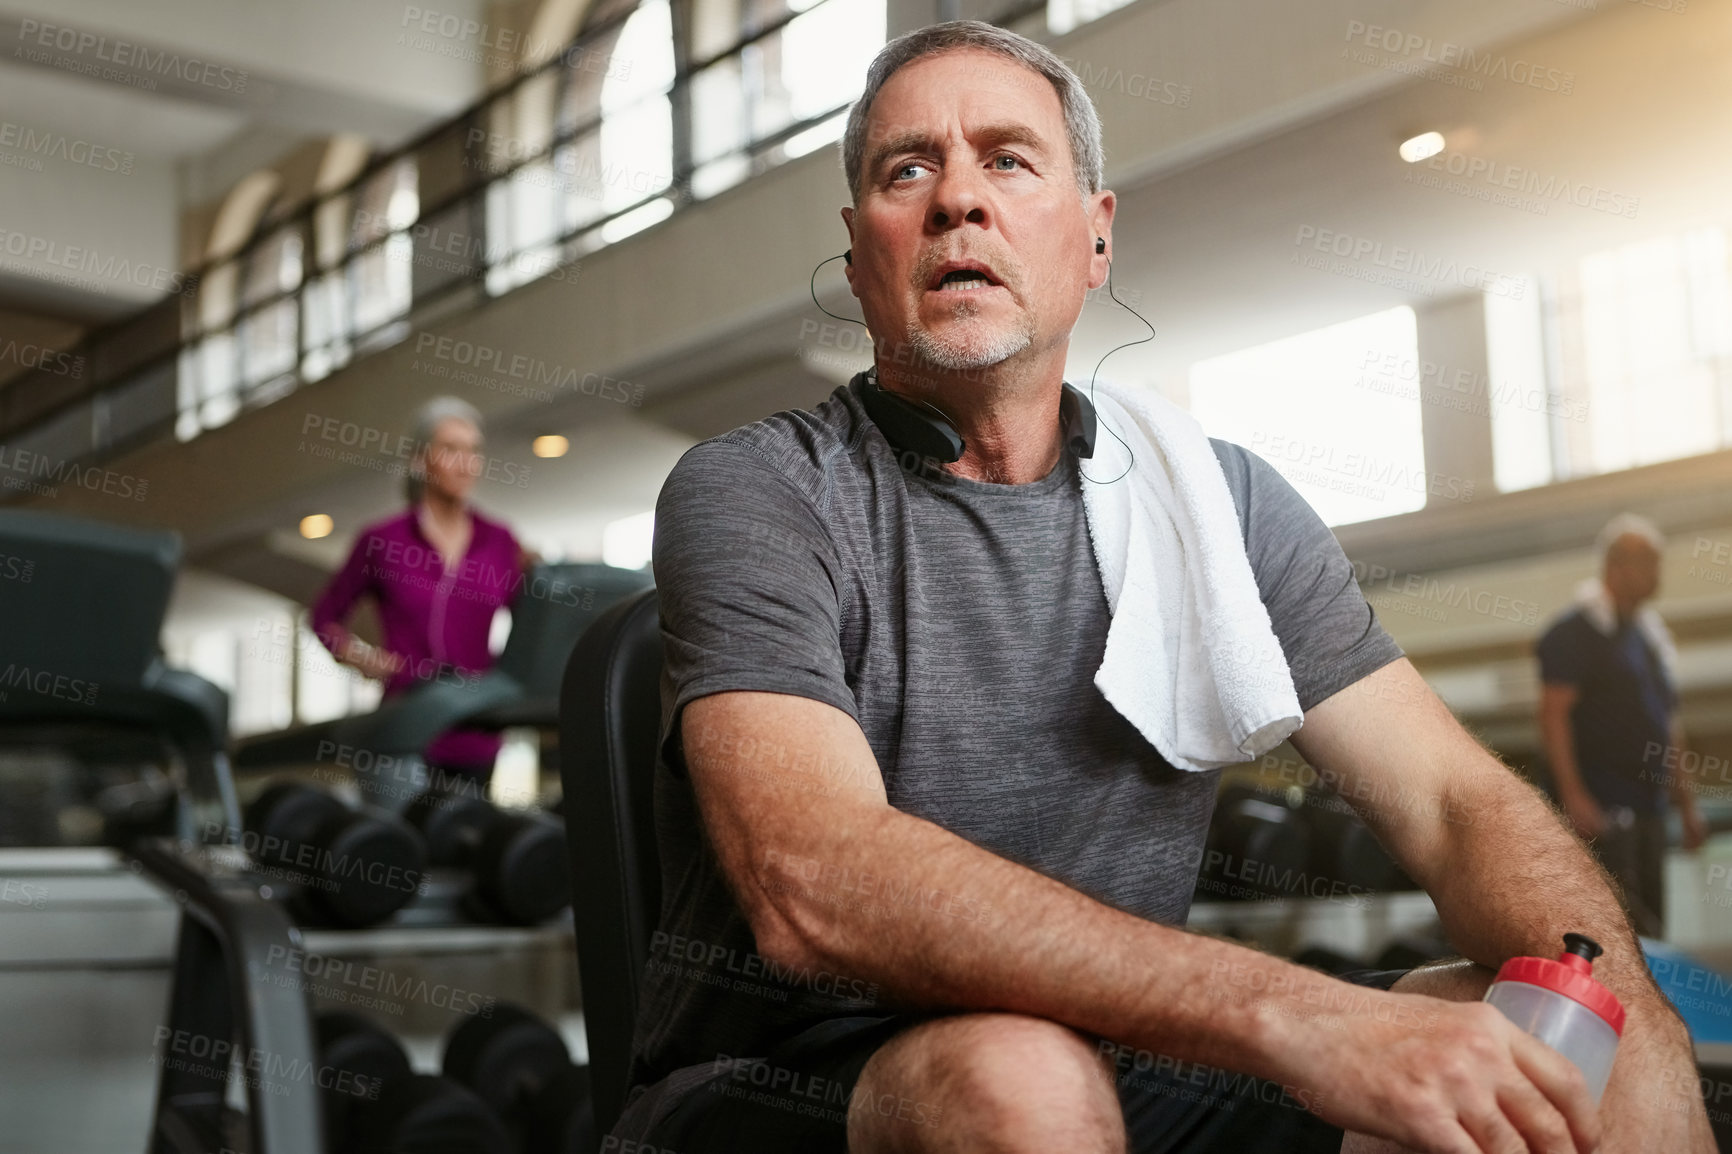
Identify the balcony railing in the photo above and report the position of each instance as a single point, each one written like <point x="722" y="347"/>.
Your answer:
<point x="615" y="133"/>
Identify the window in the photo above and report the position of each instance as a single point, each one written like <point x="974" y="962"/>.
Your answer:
<point x="1315" y="406"/>
<point x="1063" y="15"/>
<point x="1644" y="352"/>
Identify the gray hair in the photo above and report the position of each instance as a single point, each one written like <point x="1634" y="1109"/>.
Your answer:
<point x="1082" y="124"/>
<point x="1623" y="525"/>
<point x="426" y="422"/>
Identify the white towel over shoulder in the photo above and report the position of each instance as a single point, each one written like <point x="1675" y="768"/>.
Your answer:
<point x="1191" y="657"/>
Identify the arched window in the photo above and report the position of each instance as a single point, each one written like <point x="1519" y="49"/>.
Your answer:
<point x="267" y="333"/>
<point x="208" y="384"/>
<point x="381" y="275"/>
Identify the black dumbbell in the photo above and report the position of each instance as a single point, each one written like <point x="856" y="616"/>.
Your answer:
<point x="362" y="1060"/>
<point x="350" y="867"/>
<point x="518" y="860"/>
<point x="562" y="1114"/>
<point x="425" y="1113"/>
<point x="519" y="1065"/>
<point x="376" y="1104"/>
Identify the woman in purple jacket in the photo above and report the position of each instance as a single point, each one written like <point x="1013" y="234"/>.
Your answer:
<point x="437" y="572"/>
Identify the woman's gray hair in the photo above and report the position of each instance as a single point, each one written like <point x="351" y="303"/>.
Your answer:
<point x="1623" y="525"/>
<point x="426" y="421"/>
<point x="1082" y="124"/>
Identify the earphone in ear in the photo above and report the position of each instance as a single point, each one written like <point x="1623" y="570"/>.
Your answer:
<point x="1100" y="244"/>
<point x="848" y="257"/>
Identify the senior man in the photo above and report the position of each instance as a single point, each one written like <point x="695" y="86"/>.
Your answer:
<point x="1608" y="718"/>
<point x="924" y="887"/>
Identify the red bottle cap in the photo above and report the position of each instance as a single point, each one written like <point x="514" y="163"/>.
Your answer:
<point x="1572" y="975"/>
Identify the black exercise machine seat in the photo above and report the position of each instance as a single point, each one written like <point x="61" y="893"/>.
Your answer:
<point x="609" y="723"/>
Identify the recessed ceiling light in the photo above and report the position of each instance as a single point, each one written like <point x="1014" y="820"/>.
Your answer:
<point x="551" y="445"/>
<point x="1420" y="147"/>
<point x="316" y="526"/>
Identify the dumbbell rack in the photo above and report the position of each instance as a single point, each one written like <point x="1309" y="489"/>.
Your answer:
<point x="231" y="980"/>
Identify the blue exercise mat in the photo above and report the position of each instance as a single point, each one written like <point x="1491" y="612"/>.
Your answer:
<point x="1703" y="996"/>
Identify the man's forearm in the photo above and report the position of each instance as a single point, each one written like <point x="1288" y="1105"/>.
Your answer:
<point x="940" y="922"/>
<point x="1518" y="881"/>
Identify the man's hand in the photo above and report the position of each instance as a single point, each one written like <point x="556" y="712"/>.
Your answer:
<point x="1585" y="813"/>
<point x="1653" y="1101"/>
<point x="1449" y="1078"/>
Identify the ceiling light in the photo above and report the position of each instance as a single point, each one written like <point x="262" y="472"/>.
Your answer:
<point x="316" y="526"/>
<point x="550" y="445"/>
<point x="1426" y="144"/>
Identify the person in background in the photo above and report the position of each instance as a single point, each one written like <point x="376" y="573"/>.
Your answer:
<point x="438" y="571"/>
<point x="1608" y="719"/>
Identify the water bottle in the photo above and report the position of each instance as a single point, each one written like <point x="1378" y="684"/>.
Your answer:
<point x="1562" y="1005"/>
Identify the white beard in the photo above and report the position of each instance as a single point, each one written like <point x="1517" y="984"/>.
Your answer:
<point x="973" y="349"/>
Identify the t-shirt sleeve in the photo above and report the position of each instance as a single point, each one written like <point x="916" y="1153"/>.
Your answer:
<point x="1561" y="659"/>
<point x="747" y="581"/>
<point x="1328" y="631"/>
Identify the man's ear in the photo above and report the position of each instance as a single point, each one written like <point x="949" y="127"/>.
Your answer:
<point x="848" y="265"/>
<point x="1100" y="224"/>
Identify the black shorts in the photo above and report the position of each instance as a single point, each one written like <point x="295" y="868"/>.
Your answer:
<point x="795" y="1099"/>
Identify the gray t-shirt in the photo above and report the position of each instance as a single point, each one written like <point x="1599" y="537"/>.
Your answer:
<point x="960" y="623"/>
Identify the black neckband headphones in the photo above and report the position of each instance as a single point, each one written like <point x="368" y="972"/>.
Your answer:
<point x="922" y="427"/>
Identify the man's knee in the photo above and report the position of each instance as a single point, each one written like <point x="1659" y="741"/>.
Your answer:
<point x="1019" y="1082"/>
<point x="1454" y="979"/>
